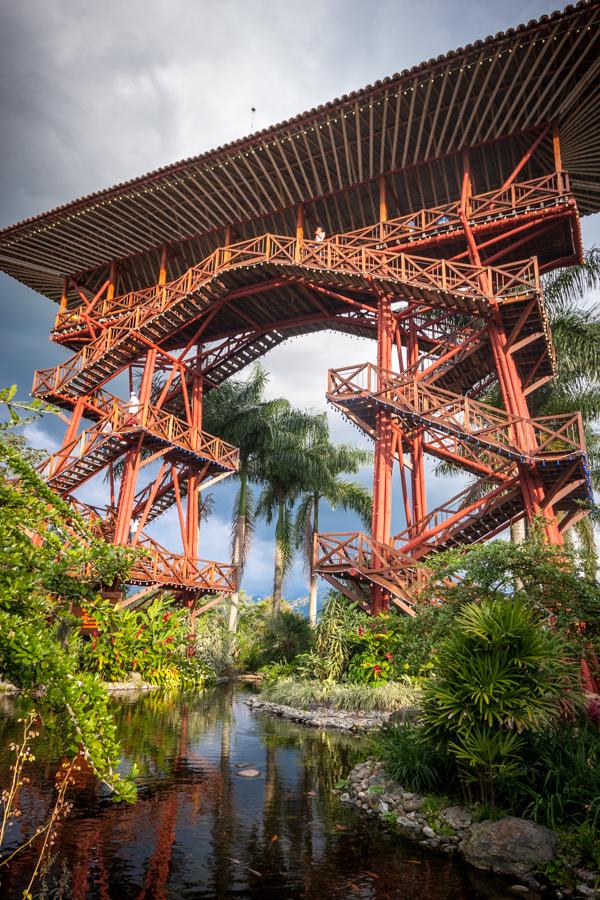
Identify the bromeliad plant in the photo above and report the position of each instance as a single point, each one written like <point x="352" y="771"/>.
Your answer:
<point x="152" y="641"/>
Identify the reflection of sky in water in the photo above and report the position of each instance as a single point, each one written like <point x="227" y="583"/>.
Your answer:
<point x="200" y="830"/>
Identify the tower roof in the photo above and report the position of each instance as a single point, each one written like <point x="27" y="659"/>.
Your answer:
<point x="492" y="97"/>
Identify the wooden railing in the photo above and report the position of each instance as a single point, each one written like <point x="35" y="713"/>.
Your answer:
<point x="342" y="552"/>
<point x="548" y="437"/>
<point x="121" y="421"/>
<point x="473" y="501"/>
<point x="422" y="273"/>
<point x="160" y="566"/>
<point x="518" y="198"/>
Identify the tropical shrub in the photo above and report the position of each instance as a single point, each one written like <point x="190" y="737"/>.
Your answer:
<point x="375" y="658"/>
<point x="533" y="572"/>
<point x="352" y="646"/>
<point x="152" y="641"/>
<point x="48" y="562"/>
<point x="419" y="637"/>
<point x="215" y="644"/>
<point x="262" y="638"/>
<point x="499" y="674"/>
<point x="276" y="671"/>
<point x="249" y="644"/>
<point x="286" y="636"/>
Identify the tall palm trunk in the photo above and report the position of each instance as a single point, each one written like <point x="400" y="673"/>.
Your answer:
<point x="279" y="555"/>
<point x="312" y="594"/>
<point x="238" y="551"/>
<point x="518" y="531"/>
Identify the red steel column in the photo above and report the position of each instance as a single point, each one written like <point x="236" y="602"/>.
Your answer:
<point x="419" y="502"/>
<point x="193" y="497"/>
<point x="132" y="460"/>
<point x="133" y="457"/>
<point x="511" y="386"/>
<point x="383" y="466"/>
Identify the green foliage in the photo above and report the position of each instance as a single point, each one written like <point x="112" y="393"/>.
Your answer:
<point x="286" y="468"/>
<point x="250" y="637"/>
<point x="327" y="484"/>
<point x="276" y="671"/>
<point x="419" y="636"/>
<point x="48" y="562"/>
<point x="215" y="644"/>
<point x="349" y="697"/>
<point x="338" y="626"/>
<point x="286" y="636"/>
<point x="151" y="641"/>
<point x="376" y="661"/>
<point x="261" y="639"/>
<point x="238" y="412"/>
<point x="581" y="845"/>
<point x="375" y="789"/>
<point x="498" y="674"/>
<point x="353" y="646"/>
<point x="414" y="760"/>
<point x="533" y="572"/>
<point x="558" y="780"/>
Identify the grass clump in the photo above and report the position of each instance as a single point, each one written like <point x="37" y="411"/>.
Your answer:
<point x="413" y="760"/>
<point x="346" y="697"/>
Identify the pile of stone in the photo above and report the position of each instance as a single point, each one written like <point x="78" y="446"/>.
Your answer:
<point x="323" y="716"/>
<point x="512" y="847"/>
<point x="133" y="684"/>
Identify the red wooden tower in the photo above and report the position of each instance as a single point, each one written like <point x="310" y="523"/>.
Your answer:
<point x="445" y="191"/>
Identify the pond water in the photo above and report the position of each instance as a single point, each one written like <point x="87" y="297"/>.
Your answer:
<point x="201" y="830"/>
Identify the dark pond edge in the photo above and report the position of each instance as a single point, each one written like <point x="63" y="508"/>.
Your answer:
<point x="452" y="830"/>
<point x="445" y="831"/>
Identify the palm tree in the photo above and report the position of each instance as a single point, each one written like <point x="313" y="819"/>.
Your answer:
<point x="335" y="461"/>
<point x="575" y="330"/>
<point x="238" y="412"/>
<point x="287" y="469"/>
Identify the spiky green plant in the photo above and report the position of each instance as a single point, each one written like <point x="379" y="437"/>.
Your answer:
<point x="499" y="674"/>
<point x="338" y="625"/>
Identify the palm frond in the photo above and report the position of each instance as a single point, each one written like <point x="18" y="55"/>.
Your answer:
<point x="284" y="535"/>
<point x="588" y="551"/>
<point x="350" y="495"/>
<point x="561" y="288"/>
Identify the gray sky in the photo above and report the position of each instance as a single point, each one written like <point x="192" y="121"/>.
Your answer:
<point x="94" y="92"/>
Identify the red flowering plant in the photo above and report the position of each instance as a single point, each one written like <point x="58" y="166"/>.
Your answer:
<point x="152" y="642"/>
<point x="375" y="652"/>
